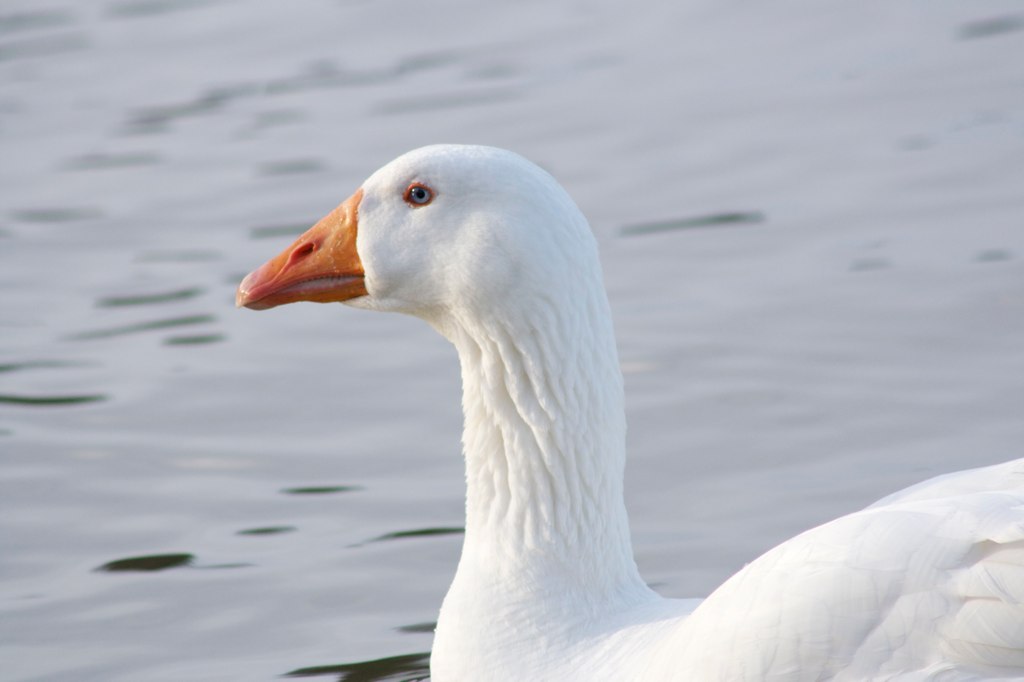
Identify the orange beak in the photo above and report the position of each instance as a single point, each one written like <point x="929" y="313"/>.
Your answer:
<point x="322" y="265"/>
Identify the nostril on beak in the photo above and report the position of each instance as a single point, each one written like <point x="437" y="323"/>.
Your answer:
<point x="300" y="252"/>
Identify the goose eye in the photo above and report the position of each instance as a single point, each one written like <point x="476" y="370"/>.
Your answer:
<point x="418" y="195"/>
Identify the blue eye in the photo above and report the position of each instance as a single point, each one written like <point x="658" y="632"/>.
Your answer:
<point x="418" y="194"/>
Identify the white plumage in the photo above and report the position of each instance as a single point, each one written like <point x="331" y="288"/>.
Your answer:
<point x="927" y="584"/>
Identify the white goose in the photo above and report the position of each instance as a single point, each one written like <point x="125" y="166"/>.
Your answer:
<point x="927" y="584"/>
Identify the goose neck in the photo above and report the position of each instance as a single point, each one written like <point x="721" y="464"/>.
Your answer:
<point x="544" y="443"/>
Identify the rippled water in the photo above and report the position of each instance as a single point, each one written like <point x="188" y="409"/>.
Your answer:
<point x="812" y="226"/>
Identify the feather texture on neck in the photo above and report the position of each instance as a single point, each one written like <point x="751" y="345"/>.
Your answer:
<point x="544" y="443"/>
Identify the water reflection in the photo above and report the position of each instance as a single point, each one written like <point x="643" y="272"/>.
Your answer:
<point x="57" y="214"/>
<point x="183" y="256"/>
<point x="107" y="161"/>
<point x="868" y="264"/>
<point x="39" y="364"/>
<point x="152" y="325"/>
<point x="292" y="167"/>
<point x="452" y="100"/>
<point x="146" y="8"/>
<point x="993" y="255"/>
<point x="43" y="46"/>
<point x="405" y="668"/>
<point x="22" y="21"/>
<point x="193" y="340"/>
<point x="268" y="530"/>
<point x="986" y="28"/>
<point x="278" y="117"/>
<point x="274" y="231"/>
<point x="48" y="400"/>
<point x="148" y="299"/>
<point x="418" y="628"/>
<point x="713" y="220"/>
<point x="321" y="489"/>
<point x="149" y="563"/>
<point x="420" y="532"/>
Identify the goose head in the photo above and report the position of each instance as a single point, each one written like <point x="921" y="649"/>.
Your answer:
<point x="442" y="232"/>
<point x="491" y="251"/>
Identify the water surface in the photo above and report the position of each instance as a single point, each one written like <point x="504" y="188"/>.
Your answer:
<point x="812" y="230"/>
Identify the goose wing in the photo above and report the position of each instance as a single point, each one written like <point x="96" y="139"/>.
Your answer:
<point x="925" y="584"/>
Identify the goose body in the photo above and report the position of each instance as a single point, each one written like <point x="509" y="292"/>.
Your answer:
<point x="926" y="584"/>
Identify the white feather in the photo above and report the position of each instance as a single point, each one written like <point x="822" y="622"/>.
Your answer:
<point x="927" y="584"/>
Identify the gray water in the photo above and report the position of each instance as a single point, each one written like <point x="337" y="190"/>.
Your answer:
<point x="812" y="227"/>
